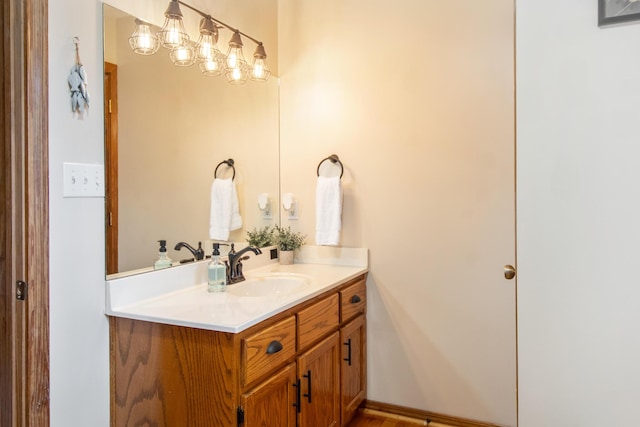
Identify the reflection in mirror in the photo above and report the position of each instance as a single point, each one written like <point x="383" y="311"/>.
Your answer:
<point x="167" y="130"/>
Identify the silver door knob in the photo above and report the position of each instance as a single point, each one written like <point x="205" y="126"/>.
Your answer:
<point x="509" y="272"/>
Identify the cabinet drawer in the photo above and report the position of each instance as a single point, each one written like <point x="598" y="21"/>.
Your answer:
<point x="353" y="300"/>
<point x="317" y="320"/>
<point x="268" y="348"/>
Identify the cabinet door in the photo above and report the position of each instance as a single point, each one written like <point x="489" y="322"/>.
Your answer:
<point x="319" y="374"/>
<point x="272" y="402"/>
<point x="353" y="367"/>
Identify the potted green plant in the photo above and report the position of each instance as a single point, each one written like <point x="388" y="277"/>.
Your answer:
<point x="261" y="237"/>
<point x="287" y="242"/>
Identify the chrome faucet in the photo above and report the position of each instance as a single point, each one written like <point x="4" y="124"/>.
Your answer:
<point x="198" y="254"/>
<point x="235" y="262"/>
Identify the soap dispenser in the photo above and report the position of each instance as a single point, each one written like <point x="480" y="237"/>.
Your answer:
<point x="216" y="272"/>
<point x="163" y="260"/>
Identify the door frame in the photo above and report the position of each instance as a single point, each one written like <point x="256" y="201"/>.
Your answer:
<point x="111" y="164"/>
<point x="24" y="219"/>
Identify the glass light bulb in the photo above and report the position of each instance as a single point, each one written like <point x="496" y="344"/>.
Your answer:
<point x="173" y="36"/>
<point x="205" y="50"/>
<point x="232" y="59"/>
<point x="144" y="41"/>
<point x="183" y="56"/>
<point x="211" y="67"/>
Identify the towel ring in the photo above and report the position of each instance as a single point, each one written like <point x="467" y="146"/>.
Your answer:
<point x="334" y="159"/>
<point x="229" y="163"/>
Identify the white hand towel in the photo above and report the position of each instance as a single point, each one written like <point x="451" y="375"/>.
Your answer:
<point x="328" y="210"/>
<point x="222" y="208"/>
<point x="236" y="219"/>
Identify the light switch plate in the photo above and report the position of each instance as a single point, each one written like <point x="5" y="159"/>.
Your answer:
<point x="83" y="180"/>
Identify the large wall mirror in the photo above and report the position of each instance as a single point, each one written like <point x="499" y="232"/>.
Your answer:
<point x="172" y="127"/>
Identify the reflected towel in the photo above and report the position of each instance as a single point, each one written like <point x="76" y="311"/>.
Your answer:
<point x="225" y="213"/>
<point x="328" y="210"/>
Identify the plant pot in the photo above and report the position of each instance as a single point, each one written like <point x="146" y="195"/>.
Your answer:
<point x="286" y="257"/>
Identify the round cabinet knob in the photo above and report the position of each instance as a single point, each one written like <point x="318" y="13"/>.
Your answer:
<point x="509" y="272"/>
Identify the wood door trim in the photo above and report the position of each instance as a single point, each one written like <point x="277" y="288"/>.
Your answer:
<point x="380" y="408"/>
<point x="111" y="164"/>
<point x="8" y="401"/>
<point x="36" y="102"/>
<point x="24" y="225"/>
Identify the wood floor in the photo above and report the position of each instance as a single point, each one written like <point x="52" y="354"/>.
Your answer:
<point x="369" y="418"/>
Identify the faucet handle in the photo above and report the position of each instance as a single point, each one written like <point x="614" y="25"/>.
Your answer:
<point x="199" y="252"/>
<point x="226" y="264"/>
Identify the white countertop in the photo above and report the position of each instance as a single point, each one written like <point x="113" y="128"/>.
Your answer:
<point x="179" y="296"/>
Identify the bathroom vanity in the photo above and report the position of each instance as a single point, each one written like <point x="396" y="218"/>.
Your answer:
<point x="290" y="355"/>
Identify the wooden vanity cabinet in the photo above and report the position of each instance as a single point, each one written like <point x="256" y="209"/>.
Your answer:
<point x="319" y="374"/>
<point x="353" y="370"/>
<point x="289" y="370"/>
<point x="353" y="373"/>
<point x="273" y="402"/>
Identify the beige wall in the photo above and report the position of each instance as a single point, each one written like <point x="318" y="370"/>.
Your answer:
<point x="416" y="97"/>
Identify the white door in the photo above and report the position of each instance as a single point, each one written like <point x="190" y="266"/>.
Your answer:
<point x="578" y="216"/>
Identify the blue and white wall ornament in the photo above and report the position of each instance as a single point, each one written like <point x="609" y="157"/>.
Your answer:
<point x="78" y="85"/>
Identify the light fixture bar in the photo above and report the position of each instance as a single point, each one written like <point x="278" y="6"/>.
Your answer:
<point x="217" y="21"/>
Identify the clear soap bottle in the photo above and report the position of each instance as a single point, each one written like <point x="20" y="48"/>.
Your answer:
<point x="163" y="260"/>
<point x="216" y="272"/>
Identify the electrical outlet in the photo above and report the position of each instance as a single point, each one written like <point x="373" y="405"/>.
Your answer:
<point x="83" y="180"/>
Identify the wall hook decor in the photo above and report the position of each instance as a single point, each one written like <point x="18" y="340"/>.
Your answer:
<point x="264" y="204"/>
<point x="289" y="205"/>
<point x="77" y="81"/>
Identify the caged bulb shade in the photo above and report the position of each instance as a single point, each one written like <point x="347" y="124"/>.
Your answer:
<point x="206" y="47"/>
<point x="173" y="34"/>
<point x="143" y="41"/>
<point x="239" y="74"/>
<point x="207" y="53"/>
<point x="259" y="70"/>
<point x="235" y="57"/>
<point x="183" y="56"/>
<point x="235" y="64"/>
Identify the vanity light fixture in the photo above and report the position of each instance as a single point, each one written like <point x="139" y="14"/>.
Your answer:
<point x="205" y="52"/>
<point x="143" y="41"/>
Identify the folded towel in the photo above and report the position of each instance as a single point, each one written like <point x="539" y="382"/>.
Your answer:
<point x="224" y="209"/>
<point x="328" y="210"/>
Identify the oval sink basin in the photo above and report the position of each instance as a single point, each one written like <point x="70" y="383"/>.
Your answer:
<point x="270" y="285"/>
